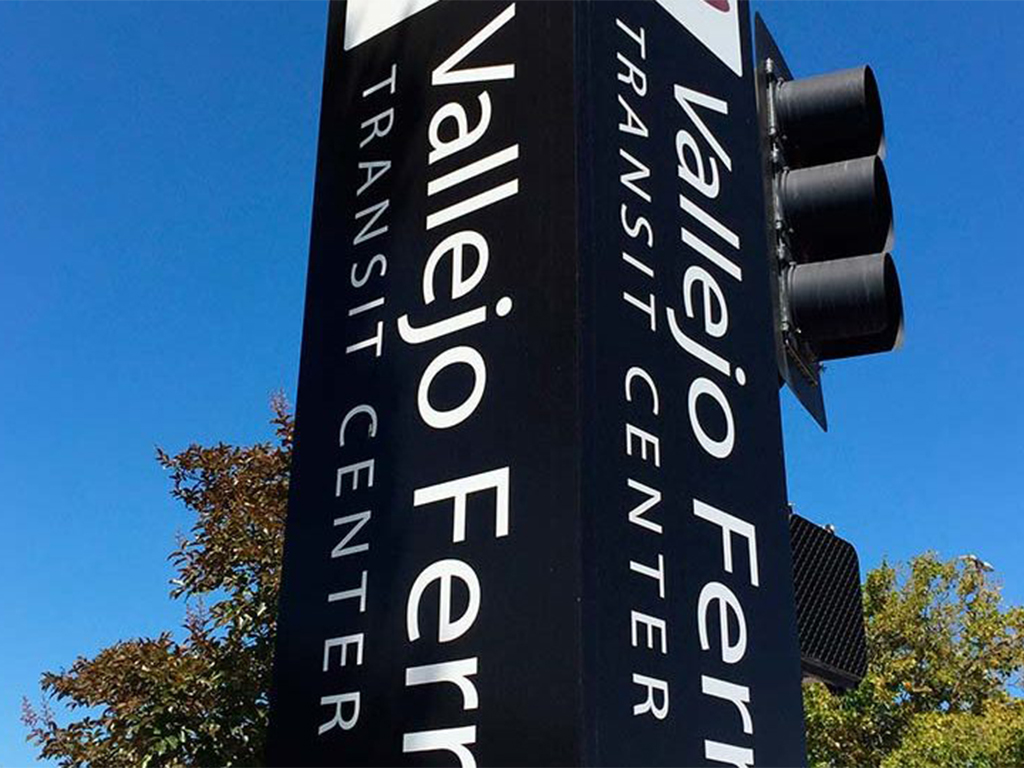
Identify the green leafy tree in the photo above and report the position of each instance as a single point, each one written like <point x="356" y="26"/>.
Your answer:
<point x="201" y="700"/>
<point x="944" y="656"/>
<point x="944" y="652"/>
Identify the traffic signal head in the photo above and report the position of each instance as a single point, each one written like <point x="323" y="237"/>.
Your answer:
<point x="836" y="293"/>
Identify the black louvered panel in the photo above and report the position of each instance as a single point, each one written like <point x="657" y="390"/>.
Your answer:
<point x="830" y="616"/>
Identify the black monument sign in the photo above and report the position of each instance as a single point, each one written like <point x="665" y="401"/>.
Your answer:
<point x="538" y="504"/>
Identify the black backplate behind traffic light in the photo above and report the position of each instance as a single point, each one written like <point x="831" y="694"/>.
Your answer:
<point x="797" y="367"/>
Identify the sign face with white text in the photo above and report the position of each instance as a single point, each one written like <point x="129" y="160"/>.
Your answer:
<point x="429" y="604"/>
<point x="687" y="565"/>
<point x="537" y="510"/>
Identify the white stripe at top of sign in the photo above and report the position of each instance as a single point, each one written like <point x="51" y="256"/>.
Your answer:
<point x="716" y="23"/>
<point x="367" y="18"/>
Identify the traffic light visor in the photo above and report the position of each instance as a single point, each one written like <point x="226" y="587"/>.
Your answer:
<point x="839" y="209"/>
<point x="830" y="117"/>
<point x="847" y="307"/>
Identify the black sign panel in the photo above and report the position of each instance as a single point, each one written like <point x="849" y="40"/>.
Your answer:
<point x="537" y="493"/>
<point x="687" y="566"/>
<point x="428" y="611"/>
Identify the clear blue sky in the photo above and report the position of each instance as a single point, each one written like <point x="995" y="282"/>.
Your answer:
<point x="156" y="172"/>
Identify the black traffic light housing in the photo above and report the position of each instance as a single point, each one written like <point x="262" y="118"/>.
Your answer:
<point x="835" y="290"/>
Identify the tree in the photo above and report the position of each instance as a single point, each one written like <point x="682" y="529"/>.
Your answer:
<point x="944" y="655"/>
<point x="201" y="700"/>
